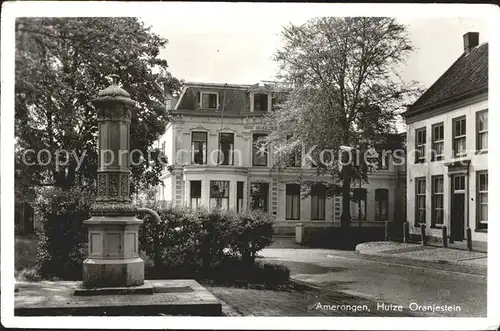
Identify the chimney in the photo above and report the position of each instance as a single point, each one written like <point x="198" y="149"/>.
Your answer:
<point x="471" y="40"/>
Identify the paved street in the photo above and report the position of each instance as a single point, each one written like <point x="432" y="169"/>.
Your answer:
<point x="348" y="273"/>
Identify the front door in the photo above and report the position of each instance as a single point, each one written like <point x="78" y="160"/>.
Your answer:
<point x="457" y="216"/>
<point x="458" y="208"/>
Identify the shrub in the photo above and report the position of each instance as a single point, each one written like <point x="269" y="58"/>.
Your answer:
<point x="173" y="241"/>
<point x="216" y="235"/>
<point x="253" y="232"/>
<point x="274" y="274"/>
<point x="30" y="275"/>
<point x="62" y="234"/>
<point x="202" y="243"/>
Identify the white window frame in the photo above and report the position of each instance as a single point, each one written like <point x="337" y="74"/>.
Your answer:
<point x="437" y="157"/>
<point x="479" y="133"/>
<point x="219" y="200"/>
<point x="320" y="213"/>
<point x="287" y="205"/>
<point x="264" y="194"/>
<point x="435" y="194"/>
<point x="459" y="137"/>
<point x="231" y="148"/>
<point x="254" y="155"/>
<point x="481" y="223"/>
<point x="198" y="199"/>
<point x="421" y="158"/>
<point x="269" y="100"/>
<point x="378" y="203"/>
<point x="209" y="92"/>
<point x="417" y="195"/>
<point x="205" y="148"/>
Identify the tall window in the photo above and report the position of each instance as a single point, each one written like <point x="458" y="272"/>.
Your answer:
<point x="482" y="199"/>
<point x="260" y="102"/>
<point x="219" y="194"/>
<point x="226" y="146"/>
<point x="259" y="155"/>
<point x="195" y="193"/>
<point x="459" y="137"/>
<point x="437" y="201"/>
<point x="259" y="196"/>
<point x="420" y="145"/>
<point x="292" y="201"/>
<point x="239" y="196"/>
<point x="420" y="201"/>
<point x="209" y="100"/>
<point x="381" y="204"/>
<point x="482" y="130"/>
<point x="199" y="147"/>
<point x="318" y="197"/>
<point x="358" y="204"/>
<point x="437" y="142"/>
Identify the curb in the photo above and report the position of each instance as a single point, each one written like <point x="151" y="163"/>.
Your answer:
<point x="435" y="264"/>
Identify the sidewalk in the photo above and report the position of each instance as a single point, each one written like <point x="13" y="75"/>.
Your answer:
<point x="431" y="254"/>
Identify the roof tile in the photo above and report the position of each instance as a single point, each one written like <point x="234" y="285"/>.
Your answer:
<point x="467" y="75"/>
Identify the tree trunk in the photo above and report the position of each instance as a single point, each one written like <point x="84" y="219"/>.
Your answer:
<point x="345" y="219"/>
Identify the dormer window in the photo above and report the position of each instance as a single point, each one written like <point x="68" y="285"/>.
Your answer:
<point x="260" y="102"/>
<point x="209" y="100"/>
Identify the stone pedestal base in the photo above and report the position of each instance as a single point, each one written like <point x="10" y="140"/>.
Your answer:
<point x="113" y="259"/>
<point x="109" y="273"/>
<point x="146" y="288"/>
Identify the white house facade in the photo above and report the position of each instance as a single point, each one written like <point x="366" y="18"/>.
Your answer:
<point x="447" y="137"/>
<point x="207" y="118"/>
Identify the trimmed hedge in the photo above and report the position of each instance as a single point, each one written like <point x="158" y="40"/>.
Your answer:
<point x="187" y="243"/>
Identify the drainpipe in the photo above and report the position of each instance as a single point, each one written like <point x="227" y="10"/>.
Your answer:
<point x="222" y="125"/>
<point x="468" y="231"/>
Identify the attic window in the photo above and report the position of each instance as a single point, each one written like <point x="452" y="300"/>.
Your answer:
<point x="260" y="102"/>
<point x="209" y="100"/>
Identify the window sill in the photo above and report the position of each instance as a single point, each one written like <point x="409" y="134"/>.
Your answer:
<point x="483" y="151"/>
<point x="481" y="230"/>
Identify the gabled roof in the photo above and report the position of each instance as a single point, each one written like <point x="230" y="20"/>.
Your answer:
<point x="467" y="77"/>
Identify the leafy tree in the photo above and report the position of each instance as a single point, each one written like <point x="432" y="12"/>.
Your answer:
<point x="61" y="65"/>
<point x="344" y="91"/>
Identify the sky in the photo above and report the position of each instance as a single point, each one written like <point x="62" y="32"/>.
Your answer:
<point x="227" y="46"/>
